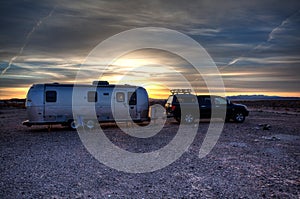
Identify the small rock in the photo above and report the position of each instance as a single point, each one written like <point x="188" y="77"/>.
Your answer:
<point x="270" y="138"/>
<point x="264" y="126"/>
<point x="238" y="144"/>
<point x="267" y="127"/>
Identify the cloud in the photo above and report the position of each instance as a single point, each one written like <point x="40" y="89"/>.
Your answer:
<point x="41" y="41"/>
<point x="28" y="36"/>
<point x="268" y="60"/>
<point x="203" y="31"/>
<point x="281" y="28"/>
<point x="291" y="21"/>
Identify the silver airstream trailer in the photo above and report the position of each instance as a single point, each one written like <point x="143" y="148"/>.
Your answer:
<point x="48" y="104"/>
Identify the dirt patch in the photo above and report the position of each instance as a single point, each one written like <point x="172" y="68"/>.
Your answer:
<point x="243" y="164"/>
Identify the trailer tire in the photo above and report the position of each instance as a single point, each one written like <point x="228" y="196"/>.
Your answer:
<point x="73" y="124"/>
<point x="91" y="124"/>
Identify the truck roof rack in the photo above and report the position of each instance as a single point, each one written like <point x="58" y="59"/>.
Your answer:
<point x="180" y="91"/>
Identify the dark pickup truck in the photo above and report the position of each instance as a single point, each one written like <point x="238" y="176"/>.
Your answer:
<point x="205" y="103"/>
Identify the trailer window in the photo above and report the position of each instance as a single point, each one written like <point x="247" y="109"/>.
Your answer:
<point x="51" y="96"/>
<point x="92" y="96"/>
<point x="120" y="97"/>
<point x="132" y="98"/>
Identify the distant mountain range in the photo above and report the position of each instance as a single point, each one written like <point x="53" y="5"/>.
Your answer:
<point x="241" y="98"/>
<point x="261" y="97"/>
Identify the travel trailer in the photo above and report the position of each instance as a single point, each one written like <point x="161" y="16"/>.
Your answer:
<point x="54" y="103"/>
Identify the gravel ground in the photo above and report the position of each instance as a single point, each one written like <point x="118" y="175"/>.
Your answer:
<point x="247" y="162"/>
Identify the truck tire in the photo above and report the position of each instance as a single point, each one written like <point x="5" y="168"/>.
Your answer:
<point x="188" y="118"/>
<point x="239" y="117"/>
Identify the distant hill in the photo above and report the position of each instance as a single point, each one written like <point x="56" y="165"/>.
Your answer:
<point x="157" y="101"/>
<point x="14" y="102"/>
<point x="238" y="98"/>
<point x="260" y="97"/>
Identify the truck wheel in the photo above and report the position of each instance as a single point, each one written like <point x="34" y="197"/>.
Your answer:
<point x="188" y="118"/>
<point x="239" y="117"/>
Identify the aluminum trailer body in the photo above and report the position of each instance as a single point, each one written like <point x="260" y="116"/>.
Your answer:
<point x="52" y="103"/>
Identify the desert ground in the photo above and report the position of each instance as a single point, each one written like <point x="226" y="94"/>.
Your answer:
<point x="259" y="158"/>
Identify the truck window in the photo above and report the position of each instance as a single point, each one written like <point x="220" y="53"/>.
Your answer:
<point x="219" y="100"/>
<point x="132" y="98"/>
<point x="92" y="96"/>
<point x="206" y="100"/>
<point x="51" y="96"/>
<point x="170" y="100"/>
<point x="186" y="99"/>
<point x="120" y="97"/>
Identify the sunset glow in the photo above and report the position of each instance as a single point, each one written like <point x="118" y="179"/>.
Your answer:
<point x="13" y="93"/>
<point x="256" y="48"/>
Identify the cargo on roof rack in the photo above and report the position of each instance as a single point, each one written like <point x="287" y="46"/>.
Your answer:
<point x="180" y="91"/>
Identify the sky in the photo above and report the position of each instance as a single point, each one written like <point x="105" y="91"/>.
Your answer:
<point x="254" y="44"/>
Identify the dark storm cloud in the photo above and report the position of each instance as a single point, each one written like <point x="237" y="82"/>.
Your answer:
<point x="237" y="34"/>
<point x="78" y="26"/>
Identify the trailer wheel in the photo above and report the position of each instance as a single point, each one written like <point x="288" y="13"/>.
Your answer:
<point x="73" y="124"/>
<point x="90" y="124"/>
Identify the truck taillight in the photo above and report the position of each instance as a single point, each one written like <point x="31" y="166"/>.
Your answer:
<point x="173" y="108"/>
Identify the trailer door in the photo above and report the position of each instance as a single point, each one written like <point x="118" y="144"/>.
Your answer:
<point x="121" y="107"/>
<point x="50" y="105"/>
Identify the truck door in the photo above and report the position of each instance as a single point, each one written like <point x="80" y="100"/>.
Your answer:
<point x="205" y="107"/>
<point x="220" y="105"/>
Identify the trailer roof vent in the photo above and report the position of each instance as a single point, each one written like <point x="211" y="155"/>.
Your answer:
<point x="100" y="83"/>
